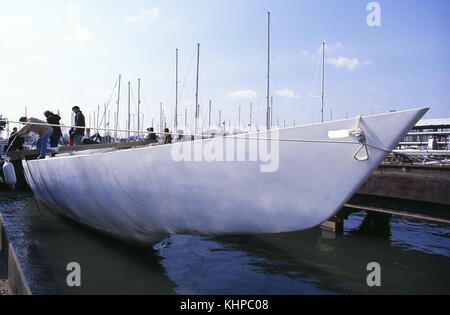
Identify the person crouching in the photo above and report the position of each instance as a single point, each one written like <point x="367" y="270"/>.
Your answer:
<point x="39" y="127"/>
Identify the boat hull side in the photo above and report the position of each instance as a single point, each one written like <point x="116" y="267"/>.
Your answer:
<point x="145" y="193"/>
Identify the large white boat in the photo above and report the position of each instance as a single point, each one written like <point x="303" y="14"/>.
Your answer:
<point x="144" y="194"/>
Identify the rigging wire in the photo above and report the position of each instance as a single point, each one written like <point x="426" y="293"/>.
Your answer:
<point x="109" y="101"/>
<point x="311" y="106"/>
<point x="186" y="76"/>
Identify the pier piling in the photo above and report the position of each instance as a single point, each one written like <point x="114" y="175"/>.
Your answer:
<point x="335" y="224"/>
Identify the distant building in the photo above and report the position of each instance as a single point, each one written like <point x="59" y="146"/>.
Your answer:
<point x="439" y="129"/>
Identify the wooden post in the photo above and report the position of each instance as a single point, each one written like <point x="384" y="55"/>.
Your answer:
<point x="334" y="224"/>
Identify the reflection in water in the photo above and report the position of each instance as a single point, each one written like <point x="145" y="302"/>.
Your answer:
<point x="46" y="242"/>
<point x="414" y="257"/>
<point x="377" y="224"/>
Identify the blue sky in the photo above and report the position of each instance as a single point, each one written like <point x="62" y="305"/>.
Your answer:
<point x="55" y="54"/>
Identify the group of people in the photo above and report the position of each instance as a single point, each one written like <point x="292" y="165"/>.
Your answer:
<point x="48" y="131"/>
<point x="153" y="138"/>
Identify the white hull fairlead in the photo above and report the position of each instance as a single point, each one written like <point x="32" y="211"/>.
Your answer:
<point x="269" y="182"/>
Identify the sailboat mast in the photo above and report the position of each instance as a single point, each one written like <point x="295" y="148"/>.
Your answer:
<point x="98" y="118"/>
<point x="115" y="123"/>
<point x="323" y="77"/>
<point x="129" y="109"/>
<point x="197" y="114"/>
<point x="161" y="118"/>
<point x="239" y="120"/>
<point x="139" y="107"/>
<point x="109" y="126"/>
<point x="209" y="120"/>
<point x="176" y="91"/>
<point x="118" y="105"/>
<point x="271" y="111"/>
<point x="104" y="117"/>
<point x="251" y="112"/>
<point x="268" y="72"/>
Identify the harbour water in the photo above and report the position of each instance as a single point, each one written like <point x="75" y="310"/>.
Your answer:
<point x="414" y="258"/>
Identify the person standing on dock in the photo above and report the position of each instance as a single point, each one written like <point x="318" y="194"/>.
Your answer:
<point x="39" y="127"/>
<point x="77" y="133"/>
<point x="54" y="119"/>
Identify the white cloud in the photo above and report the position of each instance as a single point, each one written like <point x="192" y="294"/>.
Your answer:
<point x="244" y="94"/>
<point x="344" y="62"/>
<point x="348" y="63"/>
<point x="329" y="48"/>
<point x="332" y="47"/>
<point x="10" y="22"/>
<point x="79" y="33"/>
<point x="145" y="15"/>
<point x="286" y="93"/>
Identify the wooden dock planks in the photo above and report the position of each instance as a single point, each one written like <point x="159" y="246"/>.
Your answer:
<point x="30" y="154"/>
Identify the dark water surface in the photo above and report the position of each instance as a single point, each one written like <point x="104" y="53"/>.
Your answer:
<point x="414" y="258"/>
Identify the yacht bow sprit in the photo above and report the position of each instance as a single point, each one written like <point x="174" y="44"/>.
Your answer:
<point x="142" y="194"/>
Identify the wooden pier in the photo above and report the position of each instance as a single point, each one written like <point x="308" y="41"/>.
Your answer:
<point x="33" y="154"/>
<point x="12" y="277"/>
<point x="428" y="183"/>
<point x="408" y="190"/>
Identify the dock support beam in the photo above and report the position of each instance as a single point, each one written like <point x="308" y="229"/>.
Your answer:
<point x="16" y="281"/>
<point x="334" y="224"/>
<point x="376" y="223"/>
<point x="1" y="234"/>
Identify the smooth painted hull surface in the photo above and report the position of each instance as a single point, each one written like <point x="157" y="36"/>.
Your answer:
<point x="144" y="194"/>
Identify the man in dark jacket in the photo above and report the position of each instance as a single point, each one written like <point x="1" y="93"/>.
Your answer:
<point x="77" y="133"/>
<point x="53" y="119"/>
<point x="152" y="137"/>
<point x="167" y="136"/>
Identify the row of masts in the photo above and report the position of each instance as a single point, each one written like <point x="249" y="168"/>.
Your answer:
<point x="132" y="121"/>
<point x="102" y="121"/>
<point x="163" y="124"/>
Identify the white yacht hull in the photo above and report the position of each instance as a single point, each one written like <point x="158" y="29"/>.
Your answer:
<point x="145" y="194"/>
